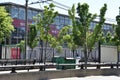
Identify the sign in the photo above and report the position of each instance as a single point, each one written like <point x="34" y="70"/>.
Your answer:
<point x="15" y="53"/>
<point x="53" y="30"/>
<point x="20" y="23"/>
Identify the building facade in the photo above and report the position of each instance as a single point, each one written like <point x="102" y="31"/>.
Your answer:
<point x="17" y="12"/>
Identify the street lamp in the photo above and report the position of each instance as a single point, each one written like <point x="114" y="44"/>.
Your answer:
<point x="26" y="21"/>
<point x="119" y="10"/>
<point x="26" y="24"/>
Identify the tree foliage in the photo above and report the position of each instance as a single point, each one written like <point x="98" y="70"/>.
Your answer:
<point x="22" y="46"/>
<point x="82" y="36"/>
<point x="117" y="31"/>
<point x="45" y="20"/>
<point x="116" y="38"/>
<point x="94" y="37"/>
<point x="66" y="37"/>
<point x="32" y="36"/>
<point x="81" y="26"/>
<point x="54" y="42"/>
<point x="6" y="26"/>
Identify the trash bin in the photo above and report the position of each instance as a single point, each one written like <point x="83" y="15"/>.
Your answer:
<point x="60" y="60"/>
<point x="70" y="61"/>
<point x="54" y="59"/>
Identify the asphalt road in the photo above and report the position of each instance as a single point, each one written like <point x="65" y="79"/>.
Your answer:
<point x="91" y="78"/>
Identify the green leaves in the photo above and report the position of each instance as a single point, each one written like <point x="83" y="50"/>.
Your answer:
<point x="81" y="34"/>
<point x="72" y="16"/>
<point x="118" y="27"/>
<point x="117" y="31"/>
<point x="72" y="12"/>
<point x="48" y="15"/>
<point x="66" y="36"/>
<point x="94" y="37"/>
<point x="22" y="46"/>
<point x="32" y="37"/>
<point x="44" y="22"/>
<point x="6" y="26"/>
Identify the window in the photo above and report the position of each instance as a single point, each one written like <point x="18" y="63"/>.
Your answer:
<point x="22" y="13"/>
<point x="67" y="21"/>
<point x="61" y="19"/>
<point x="57" y="20"/>
<point x="110" y="28"/>
<point x="30" y="14"/>
<point x="92" y="25"/>
<point x="14" y="12"/>
<point x="18" y="35"/>
<point x="105" y="27"/>
<point x="34" y="13"/>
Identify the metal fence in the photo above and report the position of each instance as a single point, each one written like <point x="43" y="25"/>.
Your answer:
<point x="9" y="52"/>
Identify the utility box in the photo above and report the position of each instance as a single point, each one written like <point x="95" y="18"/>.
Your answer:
<point x="109" y="53"/>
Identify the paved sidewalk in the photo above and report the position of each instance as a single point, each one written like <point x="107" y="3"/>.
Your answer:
<point x="91" y="78"/>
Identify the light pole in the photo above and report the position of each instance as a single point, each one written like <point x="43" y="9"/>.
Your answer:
<point x="119" y="10"/>
<point x="26" y="24"/>
<point x="118" y="19"/>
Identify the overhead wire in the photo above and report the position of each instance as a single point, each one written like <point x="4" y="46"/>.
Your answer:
<point x="40" y="1"/>
<point x="59" y="6"/>
<point x="63" y="7"/>
<point x="40" y="5"/>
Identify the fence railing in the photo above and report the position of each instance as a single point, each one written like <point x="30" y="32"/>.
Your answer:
<point x="43" y="67"/>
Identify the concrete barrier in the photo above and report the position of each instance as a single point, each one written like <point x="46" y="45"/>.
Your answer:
<point x="45" y="75"/>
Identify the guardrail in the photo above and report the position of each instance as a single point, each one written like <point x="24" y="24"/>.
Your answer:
<point x="98" y="66"/>
<point x="17" y="61"/>
<point x="42" y="66"/>
<point x="13" y="68"/>
<point x="27" y="64"/>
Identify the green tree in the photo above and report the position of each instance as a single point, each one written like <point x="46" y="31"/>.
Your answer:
<point x="43" y="24"/>
<point x="116" y="38"/>
<point x="108" y="39"/>
<point x="66" y="38"/>
<point x="32" y="38"/>
<point x="117" y="30"/>
<point x="21" y="45"/>
<point x="6" y="26"/>
<point x="86" y="38"/>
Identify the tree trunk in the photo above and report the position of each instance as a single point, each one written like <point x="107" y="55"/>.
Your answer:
<point x="73" y="53"/>
<point x="85" y="52"/>
<point x="41" y="60"/>
<point x="99" y="51"/>
<point x="53" y="54"/>
<point x="45" y="53"/>
<point x="118" y="53"/>
<point x="31" y="53"/>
